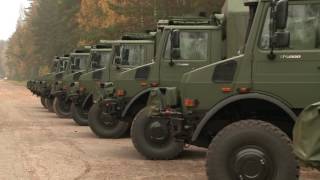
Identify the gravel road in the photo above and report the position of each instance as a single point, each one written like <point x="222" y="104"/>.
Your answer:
<point x="37" y="145"/>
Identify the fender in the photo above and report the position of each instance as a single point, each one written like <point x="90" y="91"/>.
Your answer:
<point x="58" y="93"/>
<point x="235" y="98"/>
<point x="126" y="109"/>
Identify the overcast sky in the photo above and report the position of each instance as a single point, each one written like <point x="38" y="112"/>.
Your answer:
<point x="9" y="14"/>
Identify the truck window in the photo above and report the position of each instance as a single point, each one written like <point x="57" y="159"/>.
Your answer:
<point x="193" y="46"/>
<point x="79" y="63"/>
<point x="303" y="25"/>
<point x="132" y="55"/>
<point x="105" y="56"/>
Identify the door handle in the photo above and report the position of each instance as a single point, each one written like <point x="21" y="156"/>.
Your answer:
<point x="182" y="64"/>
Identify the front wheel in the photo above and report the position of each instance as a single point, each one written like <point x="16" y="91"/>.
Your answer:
<point x="49" y="104"/>
<point x="105" y="125"/>
<point x="152" y="137"/>
<point x="79" y="115"/>
<point x="43" y="102"/>
<point x="251" y="150"/>
<point x="62" y="107"/>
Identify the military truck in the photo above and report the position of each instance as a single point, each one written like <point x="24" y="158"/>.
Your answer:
<point x="35" y="85"/>
<point x="79" y="63"/>
<point x="82" y="90"/>
<point x="132" y="51"/>
<point x="278" y="65"/>
<point x="201" y="43"/>
<point x="51" y="80"/>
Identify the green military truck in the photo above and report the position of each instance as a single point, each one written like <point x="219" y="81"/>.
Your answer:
<point x="184" y="44"/>
<point x="36" y="85"/>
<point x="81" y="90"/>
<point x="79" y="62"/>
<point x="132" y="51"/>
<point x="267" y="86"/>
<point x="51" y="80"/>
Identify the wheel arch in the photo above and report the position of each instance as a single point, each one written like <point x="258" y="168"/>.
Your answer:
<point x="237" y="98"/>
<point x="141" y="96"/>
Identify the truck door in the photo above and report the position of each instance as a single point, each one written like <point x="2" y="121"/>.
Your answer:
<point x="193" y="53"/>
<point x="294" y="75"/>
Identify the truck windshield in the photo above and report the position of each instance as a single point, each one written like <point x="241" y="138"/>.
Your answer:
<point x="100" y="59"/>
<point x="78" y="62"/>
<point x="132" y="55"/>
<point x="193" y="45"/>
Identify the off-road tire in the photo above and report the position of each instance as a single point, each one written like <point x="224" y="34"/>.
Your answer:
<point x="43" y="102"/>
<point x="77" y="116"/>
<point x="247" y="134"/>
<point x="49" y="104"/>
<point x="170" y="150"/>
<point x="101" y="130"/>
<point x="58" y="109"/>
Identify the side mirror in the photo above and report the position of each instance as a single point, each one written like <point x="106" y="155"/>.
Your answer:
<point x="175" y="54"/>
<point x="175" y="45"/>
<point x="282" y="39"/>
<point x="117" y="50"/>
<point x="125" y="56"/>
<point x="175" y="39"/>
<point x="117" y="60"/>
<point x="94" y="64"/>
<point x="281" y="14"/>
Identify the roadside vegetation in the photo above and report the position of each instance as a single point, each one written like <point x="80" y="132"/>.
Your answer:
<point x="55" y="27"/>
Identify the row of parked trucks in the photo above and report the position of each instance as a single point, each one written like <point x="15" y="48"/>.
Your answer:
<point x="235" y="83"/>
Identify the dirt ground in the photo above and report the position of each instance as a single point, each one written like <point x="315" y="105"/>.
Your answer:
<point x="36" y="145"/>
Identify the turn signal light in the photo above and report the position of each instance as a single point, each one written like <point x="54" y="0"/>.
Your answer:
<point x="226" y="90"/>
<point x="190" y="103"/>
<point x="243" y="90"/>
<point x="144" y="84"/>
<point x="154" y="84"/>
<point x="120" y="92"/>
<point x="81" y="89"/>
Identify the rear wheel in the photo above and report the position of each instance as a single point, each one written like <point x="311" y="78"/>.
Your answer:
<point x="49" y="104"/>
<point x="62" y="107"/>
<point x="105" y="125"/>
<point x="43" y="102"/>
<point x="251" y="150"/>
<point x="152" y="137"/>
<point x="79" y="115"/>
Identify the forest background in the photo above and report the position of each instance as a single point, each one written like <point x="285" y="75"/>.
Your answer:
<point x="51" y="28"/>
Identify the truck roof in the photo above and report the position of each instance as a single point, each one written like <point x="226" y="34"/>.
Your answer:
<point x="138" y="36"/>
<point x="134" y="42"/>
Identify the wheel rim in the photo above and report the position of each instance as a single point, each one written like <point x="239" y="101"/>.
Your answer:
<point x="107" y="120"/>
<point x="83" y="113"/>
<point x="251" y="163"/>
<point x="157" y="132"/>
<point x="64" y="106"/>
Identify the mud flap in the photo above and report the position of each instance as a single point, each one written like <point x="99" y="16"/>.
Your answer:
<point x="306" y="136"/>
